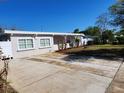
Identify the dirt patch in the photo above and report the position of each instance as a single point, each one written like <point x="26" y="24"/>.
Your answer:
<point x="4" y="86"/>
<point x="53" y="55"/>
<point x="9" y="88"/>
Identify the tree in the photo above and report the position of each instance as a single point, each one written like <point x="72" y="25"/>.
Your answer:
<point x="103" y="22"/>
<point x="92" y="31"/>
<point x="117" y="13"/>
<point x="120" y="39"/>
<point x="108" y="36"/>
<point x="1" y="30"/>
<point x="119" y="33"/>
<point x="77" y="40"/>
<point x="76" y="30"/>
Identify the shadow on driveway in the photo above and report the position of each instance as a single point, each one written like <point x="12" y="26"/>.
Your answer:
<point x="107" y="54"/>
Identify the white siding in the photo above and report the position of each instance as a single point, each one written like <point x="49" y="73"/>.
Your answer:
<point x="6" y="49"/>
<point x="29" y="52"/>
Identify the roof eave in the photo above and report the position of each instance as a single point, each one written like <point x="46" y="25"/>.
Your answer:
<point x="40" y="33"/>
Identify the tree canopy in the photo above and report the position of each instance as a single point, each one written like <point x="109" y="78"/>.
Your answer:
<point x="103" y="22"/>
<point x="108" y="36"/>
<point x="76" y="30"/>
<point x="92" y="31"/>
<point x="117" y="14"/>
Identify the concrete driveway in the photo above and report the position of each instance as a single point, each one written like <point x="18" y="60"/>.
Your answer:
<point x="49" y="75"/>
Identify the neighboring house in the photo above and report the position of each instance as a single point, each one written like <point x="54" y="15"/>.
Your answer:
<point x="86" y="39"/>
<point x="19" y="44"/>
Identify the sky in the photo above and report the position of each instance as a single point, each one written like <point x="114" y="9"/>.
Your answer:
<point x="51" y="15"/>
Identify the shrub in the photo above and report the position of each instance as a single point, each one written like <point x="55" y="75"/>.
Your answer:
<point x="77" y="42"/>
<point x="90" y="43"/>
<point x="120" y="39"/>
<point x="96" y="40"/>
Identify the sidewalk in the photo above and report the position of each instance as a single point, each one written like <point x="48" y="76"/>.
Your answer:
<point x="117" y="85"/>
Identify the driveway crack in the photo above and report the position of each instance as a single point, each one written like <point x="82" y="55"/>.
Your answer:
<point x="114" y="76"/>
<point x="42" y="78"/>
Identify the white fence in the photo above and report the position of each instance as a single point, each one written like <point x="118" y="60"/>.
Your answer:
<point x="6" y="48"/>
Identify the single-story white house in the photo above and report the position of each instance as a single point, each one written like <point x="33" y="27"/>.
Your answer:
<point x="18" y="44"/>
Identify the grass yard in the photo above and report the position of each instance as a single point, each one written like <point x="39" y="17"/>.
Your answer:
<point x="95" y="47"/>
<point x="101" y="51"/>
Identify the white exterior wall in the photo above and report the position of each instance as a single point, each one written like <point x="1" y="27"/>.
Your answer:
<point x="84" y="41"/>
<point x="36" y="36"/>
<point x="35" y="51"/>
<point x="6" y="48"/>
<point x="55" y="47"/>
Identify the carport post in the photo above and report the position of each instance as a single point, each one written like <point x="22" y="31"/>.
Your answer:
<point x="65" y="41"/>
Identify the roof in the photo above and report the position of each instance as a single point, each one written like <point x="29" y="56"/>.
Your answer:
<point x="39" y="33"/>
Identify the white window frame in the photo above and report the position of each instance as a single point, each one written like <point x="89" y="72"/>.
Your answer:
<point x="25" y="48"/>
<point x="44" y="39"/>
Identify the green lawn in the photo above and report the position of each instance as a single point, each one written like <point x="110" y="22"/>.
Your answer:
<point x="95" y="47"/>
<point x="106" y="46"/>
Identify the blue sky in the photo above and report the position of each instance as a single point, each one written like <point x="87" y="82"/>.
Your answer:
<point x="51" y="15"/>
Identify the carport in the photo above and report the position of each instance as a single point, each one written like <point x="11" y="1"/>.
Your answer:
<point x="67" y="41"/>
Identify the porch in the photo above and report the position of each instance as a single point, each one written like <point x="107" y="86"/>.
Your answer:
<point x="62" y="42"/>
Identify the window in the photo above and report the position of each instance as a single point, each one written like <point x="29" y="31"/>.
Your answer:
<point x="44" y="42"/>
<point x="22" y="43"/>
<point x="47" y="42"/>
<point x="29" y="43"/>
<point x="25" y="44"/>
